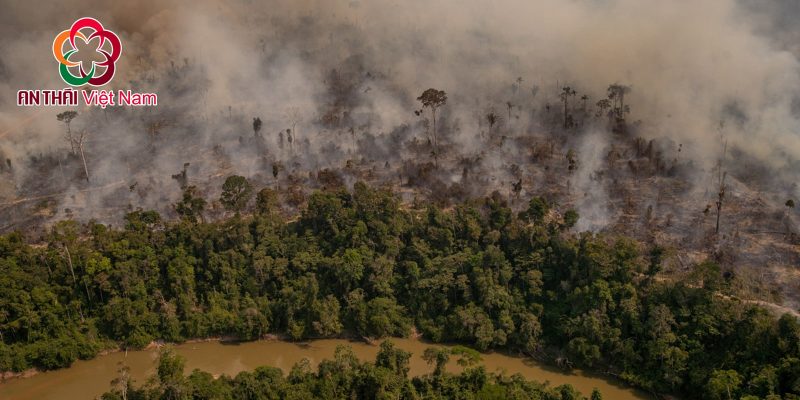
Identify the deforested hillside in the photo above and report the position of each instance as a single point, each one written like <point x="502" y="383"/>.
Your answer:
<point x="683" y="138"/>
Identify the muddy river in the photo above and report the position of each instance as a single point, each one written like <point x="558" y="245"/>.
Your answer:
<point x="88" y="379"/>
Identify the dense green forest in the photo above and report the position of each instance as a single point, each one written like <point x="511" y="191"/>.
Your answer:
<point x="358" y="264"/>
<point x="344" y="377"/>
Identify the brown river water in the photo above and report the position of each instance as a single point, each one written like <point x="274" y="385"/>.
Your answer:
<point x="86" y="380"/>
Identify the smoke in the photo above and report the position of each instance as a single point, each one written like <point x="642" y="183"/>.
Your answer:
<point x="591" y="195"/>
<point x="343" y="76"/>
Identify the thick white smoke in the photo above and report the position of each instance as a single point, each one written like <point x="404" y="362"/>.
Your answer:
<point x="697" y="70"/>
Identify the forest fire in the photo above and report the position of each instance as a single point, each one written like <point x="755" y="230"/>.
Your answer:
<point x="604" y="184"/>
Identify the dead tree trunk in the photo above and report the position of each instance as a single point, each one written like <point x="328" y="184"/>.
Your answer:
<point x="722" y="176"/>
<point x="69" y="262"/>
<point x="69" y="138"/>
<point x="83" y="158"/>
<point x="80" y="141"/>
<point x="719" y="201"/>
<point x="435" y="140"/>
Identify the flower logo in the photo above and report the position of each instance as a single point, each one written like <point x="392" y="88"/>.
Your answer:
<point x="97" y="50"/>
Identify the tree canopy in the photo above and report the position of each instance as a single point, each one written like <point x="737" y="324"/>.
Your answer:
<point x="355" y="263"/>
<point x="236" y="192"/>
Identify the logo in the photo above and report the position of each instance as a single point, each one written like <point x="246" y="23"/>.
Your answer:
<point x="103" y="53"/>
<point x="86" y="53"/>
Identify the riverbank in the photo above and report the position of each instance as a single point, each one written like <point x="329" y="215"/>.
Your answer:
<point x="112" y="347"/>
<point x="8" y="375"/>
<point x="87" y="379"/>
<point x="153" y="345"/>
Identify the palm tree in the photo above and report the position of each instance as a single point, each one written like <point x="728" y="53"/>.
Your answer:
<point x="616" y="93"/>
<point x="603" y="106"/>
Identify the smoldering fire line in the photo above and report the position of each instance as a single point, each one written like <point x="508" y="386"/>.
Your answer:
<point x="95" y="98"/>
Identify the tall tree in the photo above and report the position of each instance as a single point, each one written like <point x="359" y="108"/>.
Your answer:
<point x="236" y="192"/>
<point x="724" y="384"/>
<point x="256" y="126"/>
<point x="122" y="383"/>
<point x="191" y="205"/>
<point x="438" y="357"/>
<point x="170" y="376"/>
<point x="603" y="106"/>
<point x="433" y="99"/>
<point x="492" y="118"/>
<point x="267" y="201"/>
<point x="721" y="184"/>
<point x="616" y="93"/>
<point x="566" y="93"/>
<point x="66" y="117"/>
<point x="294" y="117"/>
<point x="80" y="141"/>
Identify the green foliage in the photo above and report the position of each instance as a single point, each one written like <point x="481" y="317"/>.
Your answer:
<point x="357" y="264"/>
<point x="191" y="205"/>
<point x="393" y="359"/>
<point x="267" y="201"/>
<point x="438" y="357"/>
<point x="466" y="357"/>
<point x="538" y="209"/>
<point x="343" y="377"/>
<point x="236" y="192"/>
<point x="570" y="218"/>
<point x="171" y="382"/>
<point x="724" y="384"/>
